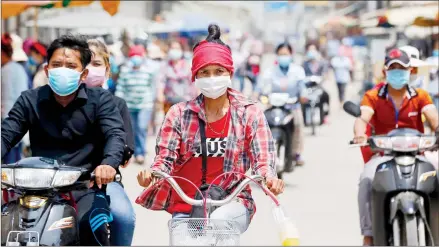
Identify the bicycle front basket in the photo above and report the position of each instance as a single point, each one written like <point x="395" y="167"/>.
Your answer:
<point x="203" y="232"/>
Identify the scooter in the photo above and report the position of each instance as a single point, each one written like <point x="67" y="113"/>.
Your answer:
<point x="313" y="110"/>
<point x="280" y="119"/>
<point x="44" y="213"/>
<point x="405" y="195"/>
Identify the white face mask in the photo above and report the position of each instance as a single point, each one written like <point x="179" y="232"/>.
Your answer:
<point x="175" y="54"/>
<point x="213" y="87"/>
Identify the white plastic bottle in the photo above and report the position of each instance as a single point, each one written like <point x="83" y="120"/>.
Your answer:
<point x="288" y="233"/>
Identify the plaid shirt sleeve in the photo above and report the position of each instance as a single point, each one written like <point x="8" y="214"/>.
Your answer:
<point x="261" y="152"/>
<point x="168" y="141"/>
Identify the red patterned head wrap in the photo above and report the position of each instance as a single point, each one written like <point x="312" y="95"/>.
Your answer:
<point x="208" y="53"/>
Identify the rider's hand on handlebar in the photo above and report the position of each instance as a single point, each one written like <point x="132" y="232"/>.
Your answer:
<point x="303" y="100"/>
<point x="360" y="139"/>
<point x="275" y="185"/>
<point x="145" y="178"/>
<point x="104" y="174"/>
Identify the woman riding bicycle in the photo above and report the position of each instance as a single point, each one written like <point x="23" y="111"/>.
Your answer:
<point x="237" y="137"/>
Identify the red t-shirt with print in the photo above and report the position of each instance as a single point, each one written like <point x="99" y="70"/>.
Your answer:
<point x="216" y="146"/>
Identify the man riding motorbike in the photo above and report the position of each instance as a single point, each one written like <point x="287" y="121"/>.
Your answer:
<point x="314" y="65"/>
<point x="63" y="119"/>
<point x="389" y="106"/>
<point x="287" y="77"/>
<point x="415" y="81"/>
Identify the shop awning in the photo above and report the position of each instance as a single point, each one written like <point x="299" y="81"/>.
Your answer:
<point x="88" y="19"/>
<point x="403" y="16"/>
<point x="315" y="3"/>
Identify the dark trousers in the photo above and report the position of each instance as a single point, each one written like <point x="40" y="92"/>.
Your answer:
<point x="93" y="208"/>
<point x="341" y="90"/>
<point x="325" y="99"/>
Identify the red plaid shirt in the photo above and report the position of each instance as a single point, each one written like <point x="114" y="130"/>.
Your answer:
<point x="250" y="144"/>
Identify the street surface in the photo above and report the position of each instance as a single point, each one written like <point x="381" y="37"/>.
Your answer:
<point x="321" y="197"/>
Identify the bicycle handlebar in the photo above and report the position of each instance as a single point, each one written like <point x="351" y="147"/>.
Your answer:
<point x="193" y="202"/>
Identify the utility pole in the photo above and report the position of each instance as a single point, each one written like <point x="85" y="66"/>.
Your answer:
<point x="380" y="4"/>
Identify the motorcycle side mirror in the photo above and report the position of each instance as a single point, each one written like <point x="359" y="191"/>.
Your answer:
<point x="352" y="109"/>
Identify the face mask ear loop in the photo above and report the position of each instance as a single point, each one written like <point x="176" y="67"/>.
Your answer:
<point x="80" y="75"/>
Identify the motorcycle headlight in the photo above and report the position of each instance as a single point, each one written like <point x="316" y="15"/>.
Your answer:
<point x="33" y="178"/>
<point x="8" y="176"/>
<point x="65" y="178"/>
<point x="405" y="143"/>
<point x="278" y="99"/>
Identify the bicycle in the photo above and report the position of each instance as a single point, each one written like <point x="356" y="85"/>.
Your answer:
<point x="206" y="231"/>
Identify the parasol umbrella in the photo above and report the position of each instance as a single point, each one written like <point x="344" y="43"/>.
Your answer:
<point x="13" y="8"/>
<point x="426" y="22"/>
<point x="423" y="27"/>
<point x="383" y="21"/>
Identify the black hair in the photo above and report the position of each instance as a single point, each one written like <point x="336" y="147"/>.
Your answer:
<point x="6" y="46"/>
<point x="74" y="42"/>
<point x="214" y="36"/>
<point x="284" y="45"/>
<point x="175" y="41"/>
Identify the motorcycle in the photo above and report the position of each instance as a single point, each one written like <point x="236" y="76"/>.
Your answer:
<point x="280" y="120"/>
<point x="405" y="196"/>
<point x="314" y="109"/>
<point x="44" y="213"/>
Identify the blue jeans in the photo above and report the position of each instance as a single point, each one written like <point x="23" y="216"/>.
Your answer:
<point x="124" y="218"/>
<point x="241" y="82"/>
<point x="235" y="211"/>
<point x="140" y="120"/>
<point x="14" y="154"/>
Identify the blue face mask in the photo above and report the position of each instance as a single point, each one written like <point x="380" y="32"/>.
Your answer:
<point x="398" y="78"/>
<point x="136" y="60"/>
<point x="311" y="55"/>
<point x="284" y="60"/>
<point x="32" y="61"/>
<point x="64" y="81"/>
<point x="435" y="53"/>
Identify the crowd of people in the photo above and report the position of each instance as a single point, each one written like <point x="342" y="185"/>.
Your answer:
<point x="82" y="108"/>
<point x="165" y="74"/>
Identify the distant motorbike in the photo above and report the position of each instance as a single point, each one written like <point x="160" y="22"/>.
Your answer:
<point x="405" y="197"/>
<point x="314" y="109"/>
<point x="280" y="119"/>
<point x="44" y="213"/>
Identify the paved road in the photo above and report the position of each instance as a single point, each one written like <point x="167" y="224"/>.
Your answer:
<point x="321" y="196"/>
